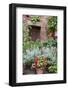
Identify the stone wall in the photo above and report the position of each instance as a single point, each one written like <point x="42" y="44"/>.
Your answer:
<point x="43" y="32"/>
<point x="42" y="24"/>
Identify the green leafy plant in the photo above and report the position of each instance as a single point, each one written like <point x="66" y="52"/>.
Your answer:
<point x="50" y="42"/>
<point x="35" y="19"/>
<point x="52" y="68"/>
<point x="28" y="54"/>
<point x="51" y="55"/>
<point x="52" y="23"/>
<point x="26" y="37"/>
<point x="50" y="52"/>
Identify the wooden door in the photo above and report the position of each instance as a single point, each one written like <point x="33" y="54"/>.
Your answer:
<point x="35" y="33"/>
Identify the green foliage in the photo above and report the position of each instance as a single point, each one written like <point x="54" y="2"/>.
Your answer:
<point x="28" y="43"/>
<point x="29" y="62"/>
<point x="52" y="23"/>
<point x="28" y="56"/>
<point x="40" y="62"/>
<point x="35" y="19"/>
<point x="25" y="37"/>
<point x="52" y="68"/>
<point x="51" y="53"/>
<point x="36" y="43"/>
<point x="30" y="50"/>
<point x="50" y="42"/>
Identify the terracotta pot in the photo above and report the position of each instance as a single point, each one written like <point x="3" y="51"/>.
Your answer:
<point x="39" y="70"/>
<point x="51" y="34"/>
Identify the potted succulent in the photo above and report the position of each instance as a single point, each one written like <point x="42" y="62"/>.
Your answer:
<point x="39" y="64"/>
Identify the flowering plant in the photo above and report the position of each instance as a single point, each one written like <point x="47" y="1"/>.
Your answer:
<point x="40" y="61"/>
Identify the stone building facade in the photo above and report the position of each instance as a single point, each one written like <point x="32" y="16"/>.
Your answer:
<point x="38" y="29"/>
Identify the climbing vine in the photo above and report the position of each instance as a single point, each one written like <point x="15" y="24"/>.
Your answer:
<point x="52" y="23"/>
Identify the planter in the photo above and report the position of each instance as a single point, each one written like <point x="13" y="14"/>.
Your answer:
<point x="51" y="34"/>
<point x="39" y="70"/>
<point x="39" y="64"/>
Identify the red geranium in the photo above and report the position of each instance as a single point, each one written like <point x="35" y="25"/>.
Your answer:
<point x="36" y="60"/>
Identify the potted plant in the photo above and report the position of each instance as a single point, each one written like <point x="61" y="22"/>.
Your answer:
<point x="39" y="64"/>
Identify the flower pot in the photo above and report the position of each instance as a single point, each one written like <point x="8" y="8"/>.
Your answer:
<point x="50" y="34"/>
<point x="39" y="70"/>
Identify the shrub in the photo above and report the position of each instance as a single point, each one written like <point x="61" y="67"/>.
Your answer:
<point x="52" y="68"/>
<point x="50" y="42"/>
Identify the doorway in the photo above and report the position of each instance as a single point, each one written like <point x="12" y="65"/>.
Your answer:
<point x="34" y="33"/>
